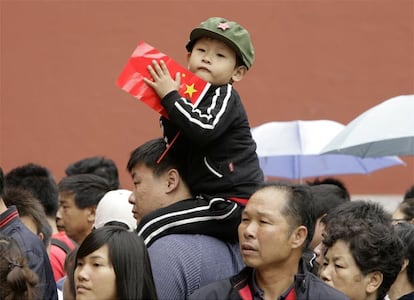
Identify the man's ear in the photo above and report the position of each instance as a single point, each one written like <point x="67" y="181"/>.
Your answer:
<point x="374" y="282"/>
<point x="239" y="73"/>
<point x="91" y="214"/>
<point x="298" y="236"/>
<point x="173" y="180"/>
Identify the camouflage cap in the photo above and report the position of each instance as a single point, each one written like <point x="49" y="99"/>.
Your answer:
<point x="233" y="34"/>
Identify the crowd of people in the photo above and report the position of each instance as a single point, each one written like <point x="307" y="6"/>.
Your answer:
<point x="200" y="222"/>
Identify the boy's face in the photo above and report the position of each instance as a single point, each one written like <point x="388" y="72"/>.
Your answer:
<point x="215" y="62"/>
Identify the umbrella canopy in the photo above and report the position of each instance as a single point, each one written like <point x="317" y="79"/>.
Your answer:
<point x="385" y="129"/>
<point x="292" y="150"/>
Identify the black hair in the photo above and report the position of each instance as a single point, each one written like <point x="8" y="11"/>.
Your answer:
<point x="87" y="189"/>
<point x="334" y="181"/>
<point x="148" y="155"/>
<point x="98" y="165"/>
<point x="39" y="181"/>
<point x="359" y="209"/>
<point x="325" y="197"/>
<point x="129" y="258"/>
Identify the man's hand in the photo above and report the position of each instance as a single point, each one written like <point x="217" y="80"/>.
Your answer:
<point x="162" y="81"/>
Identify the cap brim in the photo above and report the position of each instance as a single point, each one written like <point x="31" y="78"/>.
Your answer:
<point x="201" y="32"/>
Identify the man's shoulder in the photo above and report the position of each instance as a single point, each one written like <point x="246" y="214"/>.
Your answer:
<point x="323" y="290"/>
<point x="26" y="239"/>
<point x="198" y="241"/>
<point x="196" y="248"/>
<point x="183" y="243"/>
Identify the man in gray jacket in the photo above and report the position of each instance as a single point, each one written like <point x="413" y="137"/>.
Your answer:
<point x="181" y="263"/>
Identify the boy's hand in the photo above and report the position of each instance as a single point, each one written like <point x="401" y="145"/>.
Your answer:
<point x="162" y="82"/>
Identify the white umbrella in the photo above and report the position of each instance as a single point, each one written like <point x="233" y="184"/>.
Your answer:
<point x="385" y="129"/>
<point x="292" y="150"/>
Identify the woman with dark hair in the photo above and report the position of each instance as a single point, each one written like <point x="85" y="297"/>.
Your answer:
<point x="363" y="255"/>
<point x="113" y="263"/>
<point x="17" y="281"/>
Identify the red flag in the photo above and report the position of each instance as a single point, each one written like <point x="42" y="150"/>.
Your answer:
<point x="131" y="80"/>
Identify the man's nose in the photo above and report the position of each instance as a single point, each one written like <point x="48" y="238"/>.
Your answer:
<point x="131" y="199"/>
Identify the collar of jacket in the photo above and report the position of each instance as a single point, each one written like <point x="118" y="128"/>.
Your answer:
<point x="240" y="280"/>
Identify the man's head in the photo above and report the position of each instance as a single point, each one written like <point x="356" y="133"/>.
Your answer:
<point x="98" y="165"/>
<point x="404" y="212"/>
<point x="156" y="184"/>
<point x="363" y="255"/>
<point x="39" y="181"/>
<point x="79" y="195"/>
<point x="325" y="197"/>
<point x="277" y="225"/>
<point x="409" y="193"/>
<point x="220" y="51"/>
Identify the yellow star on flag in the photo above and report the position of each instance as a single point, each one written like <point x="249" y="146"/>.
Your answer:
<point x="190" y="90"/>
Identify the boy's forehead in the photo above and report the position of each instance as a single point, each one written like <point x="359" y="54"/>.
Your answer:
<point x="208" y="39"/>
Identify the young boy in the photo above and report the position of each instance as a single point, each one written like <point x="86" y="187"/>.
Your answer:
<point x="215" y="141"/>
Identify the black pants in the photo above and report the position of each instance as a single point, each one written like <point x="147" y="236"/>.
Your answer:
<point x="217" y="217"/>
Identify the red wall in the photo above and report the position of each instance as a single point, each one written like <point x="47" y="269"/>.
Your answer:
<point x="314" y="60"/>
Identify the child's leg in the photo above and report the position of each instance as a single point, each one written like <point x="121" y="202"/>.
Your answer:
<point x="216" y="217"/>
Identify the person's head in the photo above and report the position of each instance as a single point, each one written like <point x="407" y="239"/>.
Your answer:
<point x="17" y="280"/>
<point x="98" y="165"/>
<point x="324" y="197"/>
<point x="220" y="51"/>
<point x="113" y="263"/>
<point x="362" y="255"/>
<point x="31" y="212"/>
<point x="406" y="232"/>
<point x="335" y="181"/>
<point x="409" y="193"/>
<point x="39" y="181"/>
<point x="156" y="184"/>
<point x="79" y="195"/>
<point x="404" y="212"/>
<point x="114" y="209"/>
<point x="276" y="225"/>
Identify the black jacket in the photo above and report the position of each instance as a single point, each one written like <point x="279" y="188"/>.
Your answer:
<point x="307" y="287"/>
<point x="215" y="141"/>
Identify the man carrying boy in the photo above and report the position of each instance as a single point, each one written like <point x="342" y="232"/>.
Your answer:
<point x="215" y="141"/>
